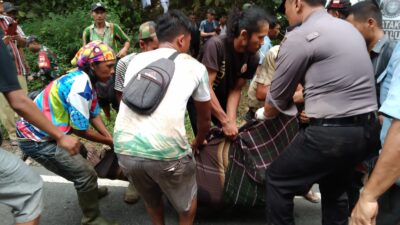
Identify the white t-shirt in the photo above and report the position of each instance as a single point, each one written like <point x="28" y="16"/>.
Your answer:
<point x="161" y="135"/>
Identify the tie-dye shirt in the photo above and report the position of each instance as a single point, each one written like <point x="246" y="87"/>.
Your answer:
<point x="69" y="102"/>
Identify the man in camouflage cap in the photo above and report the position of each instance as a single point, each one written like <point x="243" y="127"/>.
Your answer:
<point x="147" y="41"/>
<point x="147" y="30"/>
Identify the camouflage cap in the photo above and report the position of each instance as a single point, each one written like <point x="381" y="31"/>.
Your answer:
<point x="147" y="30"/>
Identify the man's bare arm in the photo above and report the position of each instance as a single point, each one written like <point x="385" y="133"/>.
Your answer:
<point x="24" y="107"/>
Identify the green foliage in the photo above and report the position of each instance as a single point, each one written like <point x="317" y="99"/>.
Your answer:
<point x="127" y="10"/>
<point x="199" y="7"/>
<point x="59" y="23"/>
<point x="62" y="34"/>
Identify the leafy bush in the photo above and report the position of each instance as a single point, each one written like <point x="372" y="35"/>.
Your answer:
<point x="62" y="34"/>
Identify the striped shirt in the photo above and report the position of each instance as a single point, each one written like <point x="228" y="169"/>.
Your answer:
<point x="121" y="70"/>
<point x="16" y="53"/>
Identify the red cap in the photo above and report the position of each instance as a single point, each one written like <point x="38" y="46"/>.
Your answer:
<point x="338" y="4"/>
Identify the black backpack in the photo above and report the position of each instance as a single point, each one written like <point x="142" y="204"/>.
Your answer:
<point x="147" y="88"/>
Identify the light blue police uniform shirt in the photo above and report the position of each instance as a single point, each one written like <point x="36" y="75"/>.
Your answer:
<point x="389" y="82"/>
<point x="264" y="49"/>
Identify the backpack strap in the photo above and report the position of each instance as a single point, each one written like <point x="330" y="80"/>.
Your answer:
<point x="173" y="56"/>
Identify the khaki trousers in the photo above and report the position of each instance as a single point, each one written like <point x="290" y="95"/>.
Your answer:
<point x="7" y="115"/>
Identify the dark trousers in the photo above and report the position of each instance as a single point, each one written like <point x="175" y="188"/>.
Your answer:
<point x="323" y="155"/>
<point x="353" y="190"/>
<point x="389" y="207"/>
<point x="192" y="115"/>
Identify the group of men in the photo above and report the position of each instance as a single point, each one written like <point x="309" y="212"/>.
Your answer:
<point x="326" y="70"/>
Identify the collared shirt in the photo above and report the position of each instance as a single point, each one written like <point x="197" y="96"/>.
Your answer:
<point x="377" y="56"/>
<point x="332" y="64"/>
<point x="68" y="102"/>
<point x="16" y="52"/>
<point x="380" y="56"/>
<point x="390" y="93"/>
<point x="113" y="34"/>
<point x="208" y="27"/>
<point x="389" y="82"/>
<point x="264" y="49"/>
<point x="263" y="76"/>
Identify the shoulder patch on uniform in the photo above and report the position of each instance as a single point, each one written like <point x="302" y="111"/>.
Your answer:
<point x="310" y="37"/>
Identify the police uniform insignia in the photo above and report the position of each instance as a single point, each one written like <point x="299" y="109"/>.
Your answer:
<point x="244" y="68"/>
<point x="312" y="36"/>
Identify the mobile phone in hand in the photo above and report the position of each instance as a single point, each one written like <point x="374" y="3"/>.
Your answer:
<point x="12" y="29"/>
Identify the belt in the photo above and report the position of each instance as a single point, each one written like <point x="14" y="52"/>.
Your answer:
<point x="357" y="120"/>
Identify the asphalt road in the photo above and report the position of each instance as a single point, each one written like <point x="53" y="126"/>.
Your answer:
<point x="61" y="208"/>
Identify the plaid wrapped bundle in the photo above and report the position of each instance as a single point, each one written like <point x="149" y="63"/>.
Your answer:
<point x="251" y="154"/>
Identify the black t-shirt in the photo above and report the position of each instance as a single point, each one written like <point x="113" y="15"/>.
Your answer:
<point x="219" y="55"/>
<point x="8" y="73"/>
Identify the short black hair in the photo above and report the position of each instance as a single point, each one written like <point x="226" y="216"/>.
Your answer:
<point x="249" y="20"/>
<point x="171" y="25"/>
<point x="273" y="22"/>
<point x="364" y="10"/>
<point x="343" y="11"/>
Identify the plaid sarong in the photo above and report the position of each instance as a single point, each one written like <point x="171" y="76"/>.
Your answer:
<point x="251" y="154"/>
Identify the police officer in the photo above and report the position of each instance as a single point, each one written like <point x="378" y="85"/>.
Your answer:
<point x="334" y="68"/>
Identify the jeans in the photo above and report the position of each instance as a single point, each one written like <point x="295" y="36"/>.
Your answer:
<point x="73" y="168"/>
<point x="323" y="155"/>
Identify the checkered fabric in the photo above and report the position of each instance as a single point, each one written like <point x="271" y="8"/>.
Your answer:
<point x="251" y="154"/>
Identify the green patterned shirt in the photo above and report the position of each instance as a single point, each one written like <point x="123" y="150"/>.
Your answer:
<point x="113" y="35"/>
